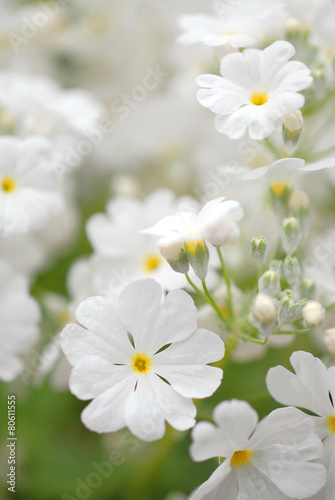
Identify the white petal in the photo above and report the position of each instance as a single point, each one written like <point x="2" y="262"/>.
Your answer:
<point x="237" y="420"/>
<point x="308" y="389"/>
<point x="98" y="315"/>
<point x="221" y="101"/>
<point x="138" y="306"/>
<point x="151" y="404"/>
<point x="253" y="485"/>
<point x="290" y="470"/>
<point x="221" y="485"/>
<point x="92" y="376"/>
<point x="284" y="425"/>
<point x="201" y="347"/>
<point x="208" y="442"/>
<point x="176" y="320"/>
<point x="106" y="412"/>
<point x="77" y="343"/>
<point x="197" y="381"/>
<point x="236" y="124"/>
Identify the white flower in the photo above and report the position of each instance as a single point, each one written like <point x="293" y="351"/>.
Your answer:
<point x="122" y="253"/>
<point x="39" y="106"/>
<point x="271" y="460"/>
<point x="279" y="176"/>
<point x="216" y="222"/>
<point x="19" y="318"/>
<point x="311" y="387"/>
<point x="237" y="25"/>
<point x="256" y="89"/>
<point x="28" y="184"/>
<point x="117" y="362"/>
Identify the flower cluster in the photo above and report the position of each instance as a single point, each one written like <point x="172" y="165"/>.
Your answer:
<point x="159" y="267"/>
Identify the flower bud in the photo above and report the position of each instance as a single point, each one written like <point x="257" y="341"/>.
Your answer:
<point x="198" y="256"/>
<point x="176" y="256"/>
<point x="291" y="271"/>
<point x="264" y="309"/>
<point x="286" y="308"/>
<point x="307" y="288"/>
<point x="329" y="340"/>
<point x="259" y="249"/>
<point x="264" y="313"/>
<point x="276" y="265"/>
<point x="313" y="314"/>
<point x="269" y="283"/>
<point x="292" y="128"/>
<point x="290" y="235"/>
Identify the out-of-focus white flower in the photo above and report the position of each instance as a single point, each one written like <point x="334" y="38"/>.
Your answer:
<point x="40" y="106"/>
<point x="279" y="176"/>
<point x="312" y="387"/>
<point x="122" y="253"/>
<point x="236" y="25"/>
<point x="29" y="190"/>
<point x="249" y="452"/>
<point x="117" y="362"/>
<point x="256" y="89"/>
<point x="19" y="318"/>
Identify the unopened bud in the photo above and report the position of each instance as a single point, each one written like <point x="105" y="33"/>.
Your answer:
<point x="259" y="249"/>
<point x="307" y="288"/>
<point x="269" y="283"/>
<point x="290" y="235"/>
<point x="198" y="256"/>
<point x="264" y="310"/>
<point x="292" y="130"/>
<point x="291" y="271"/>
<point x="313" y="314"/>
<point x="176" y="256"/>
<point x="286" y="308"/>
<point x="276" y="265"/>
<point x="329" y="340"/>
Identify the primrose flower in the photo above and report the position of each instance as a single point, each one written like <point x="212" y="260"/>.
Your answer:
<point x="270" y="460"/>
<point x="141" y="360"/>
<point x="256" y="90"/>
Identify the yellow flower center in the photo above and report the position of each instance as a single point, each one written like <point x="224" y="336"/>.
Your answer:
<point x="151" y="262"/>
<point x="279" y="187"/>
<point x="242" y="457"/>
<point x="141" y="363"/>
<point x="259" y="98"/>
<point x="192" y="245"/>
<point x="331" y="423"/>
<point x="8" y="184"/>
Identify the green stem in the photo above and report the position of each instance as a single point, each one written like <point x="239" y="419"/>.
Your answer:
<point x="330" y="306"/>
<point x="197" y="290"/>
<point x="293" y="332"/>
<point x="214" y="305"/>
<point x="226" y="276"/>
<point x="253" y="339"/>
